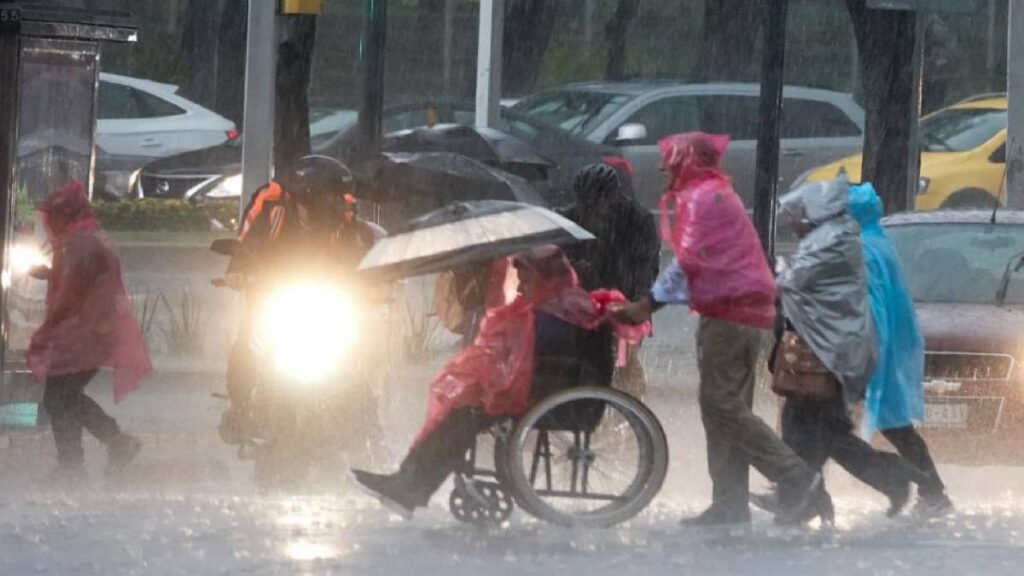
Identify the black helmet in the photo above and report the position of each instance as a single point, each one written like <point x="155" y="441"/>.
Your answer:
<point x="316" y="175"/>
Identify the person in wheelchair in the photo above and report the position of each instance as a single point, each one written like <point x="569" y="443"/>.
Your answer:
<point x="538" y="344"/>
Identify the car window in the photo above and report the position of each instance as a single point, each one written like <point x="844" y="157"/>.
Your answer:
<point x="959" y="263"/>
<point x="578" y="112"/>
<point x="116" y="101"/>
<point x="736" y="116"/>
<point x="999" y="155"/>
<point x="960" y="129"/>
<point x="150" y="106"/>
<point x="815" y="119"/>
<point x="663" y="117"/>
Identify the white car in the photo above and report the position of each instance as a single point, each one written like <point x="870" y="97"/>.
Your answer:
<point x="146" y="120"/>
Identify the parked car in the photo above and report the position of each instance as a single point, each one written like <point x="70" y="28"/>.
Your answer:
<point x="214" y="173"/>
<point x="963" y="156"/>
<point x="817" y="125"/>
<point x="965" y="271"/>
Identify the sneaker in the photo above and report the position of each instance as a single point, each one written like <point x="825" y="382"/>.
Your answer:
<point x="898" y="500"/>
<point x="121" y="451"/>
<point x="717" y="516"/>
<point x="384" y="487"/>
<point x="800" y="507"/>
<point x="935" y="506"/>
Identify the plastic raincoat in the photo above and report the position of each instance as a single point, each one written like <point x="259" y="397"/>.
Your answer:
<point x="496" y="371"/>
<point x="823" y="288"/>
<point x="714" y="241"/>
<point x="89" y="320"/>
<point x="895" y="397"/>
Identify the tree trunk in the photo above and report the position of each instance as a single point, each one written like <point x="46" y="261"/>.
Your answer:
<point x="198" y="41"/>
<point x="731" y="28"/>
<point x="528" y="27"/>
<point x="886" y="42"/>
<point x="234" y="25"/>
<point x="615" y="33"/>
<point x="294" y="66"/>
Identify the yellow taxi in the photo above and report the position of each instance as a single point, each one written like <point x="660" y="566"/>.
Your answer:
<point x="963" y="156"/>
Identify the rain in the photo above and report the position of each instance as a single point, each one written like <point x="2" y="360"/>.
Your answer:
<point x="282" y="264"/>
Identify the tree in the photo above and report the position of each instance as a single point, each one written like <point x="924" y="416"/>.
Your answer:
<point x="199" y="40"/>
<point x="731" y="29"/>
<point x="615" y="33"/>
<point x="231" y="46"/>
<point x="528" y="27"/>
<point x="294" y="67"/>
<point x="885" y="41"/>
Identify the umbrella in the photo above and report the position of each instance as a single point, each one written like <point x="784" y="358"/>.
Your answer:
<point x="466" y="233"/>
<point x="429" y="180"/>
<point x="479" y="143"/>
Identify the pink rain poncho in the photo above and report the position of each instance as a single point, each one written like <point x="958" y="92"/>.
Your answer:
<point x="496" y="371"/>
<point x="89" y="320"/>
<point x="714" y="241"/>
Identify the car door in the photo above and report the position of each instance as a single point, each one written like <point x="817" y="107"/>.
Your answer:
<point x="814" y="133"/>
<point x="660" y="117"/>
<point x="133" y="123"/>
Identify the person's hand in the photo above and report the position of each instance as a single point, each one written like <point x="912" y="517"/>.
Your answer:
<point x="39" y="272"/>
<point x="633" y="312"/>
<point x="231" y="280"/>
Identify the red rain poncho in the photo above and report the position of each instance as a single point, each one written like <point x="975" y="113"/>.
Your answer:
<point x="496" y="371"/>
<point x="717" y="247"/>
<point x="89" y="321"/>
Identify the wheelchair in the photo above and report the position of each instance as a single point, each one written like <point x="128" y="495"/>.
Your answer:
<point x="582" y="456"/>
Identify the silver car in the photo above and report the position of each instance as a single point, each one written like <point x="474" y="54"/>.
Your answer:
<point x="817" y="125"/>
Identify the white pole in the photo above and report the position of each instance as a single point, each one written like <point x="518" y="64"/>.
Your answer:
<point x="1015" y="106"/>
<point x="258" y="121"/>
<point x="488" y="62"/>
<point x="914" y="151"/>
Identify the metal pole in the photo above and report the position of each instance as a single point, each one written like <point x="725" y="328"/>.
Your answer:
<point x="488" y="62"/>
<point x="913" y="144"/>
<point x="1015" y="106"/>
<point x="375" y="35"/>
<point x="766" y="179"/>
<point x="258" y="121"/>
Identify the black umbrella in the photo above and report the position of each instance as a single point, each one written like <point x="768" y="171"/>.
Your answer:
<point x="429" y="180"/>
<point x="484" y="144"/>
<point x="467" y="233"/>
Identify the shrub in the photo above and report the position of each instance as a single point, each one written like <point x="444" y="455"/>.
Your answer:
<point x="165" y="215"/>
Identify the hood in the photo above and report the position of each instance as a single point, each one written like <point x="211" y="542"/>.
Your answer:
<point x="975" y="328"/>
<point x="814" y="203"/>
<point x="865" y="206"/>
<point x="223" y="158"/>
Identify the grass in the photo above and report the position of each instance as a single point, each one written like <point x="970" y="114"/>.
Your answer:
<point x="420" y="337"/>
<point x="185" y="331"/>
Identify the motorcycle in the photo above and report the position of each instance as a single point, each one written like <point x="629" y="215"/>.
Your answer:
<point x="315" y="372"/>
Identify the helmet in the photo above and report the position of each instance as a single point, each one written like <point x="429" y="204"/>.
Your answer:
<point x="319" y="176"/>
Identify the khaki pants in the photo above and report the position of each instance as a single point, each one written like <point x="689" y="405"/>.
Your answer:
<point x="727" y="356"/>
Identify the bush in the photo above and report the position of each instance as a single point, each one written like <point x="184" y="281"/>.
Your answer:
<point x="165" y="215"/>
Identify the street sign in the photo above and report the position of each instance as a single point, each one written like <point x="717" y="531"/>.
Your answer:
<point x="926" y="5"/>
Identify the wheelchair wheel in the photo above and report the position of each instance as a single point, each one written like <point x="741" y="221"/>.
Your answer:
<point x="591" y="457"/>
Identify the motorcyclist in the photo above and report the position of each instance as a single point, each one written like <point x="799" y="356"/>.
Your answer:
<point x="307" y="220"/>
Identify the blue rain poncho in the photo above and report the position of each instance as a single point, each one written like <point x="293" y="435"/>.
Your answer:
<point x="895" y="397"/>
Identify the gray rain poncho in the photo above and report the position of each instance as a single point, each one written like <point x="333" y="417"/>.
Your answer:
<point x="823" y="289"/>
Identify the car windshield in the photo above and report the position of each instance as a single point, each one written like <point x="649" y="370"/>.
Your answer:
<point x="959" y="263"/>
<point x="960" y="129"/>
<point x="578" y="112"/>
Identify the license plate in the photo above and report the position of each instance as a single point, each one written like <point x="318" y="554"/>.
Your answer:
<point x="946" y="415"/>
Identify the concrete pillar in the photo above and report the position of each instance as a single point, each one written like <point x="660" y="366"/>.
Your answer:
<point x="488" y="62"/>
<point x="258" y="121"/>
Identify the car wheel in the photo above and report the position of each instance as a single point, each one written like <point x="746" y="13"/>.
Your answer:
<point x="969" y="198"/>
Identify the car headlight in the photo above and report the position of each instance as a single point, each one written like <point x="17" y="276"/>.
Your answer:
<point x="230" y="187"/>
<point x="307" y="329"/>
<point x="23" y="258"/>
<point x="922" y="185"/>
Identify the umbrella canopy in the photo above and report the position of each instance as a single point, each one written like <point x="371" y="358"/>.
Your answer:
<point x="427" y="181"/>
<point x="467" y="233"/>
<point x="479" y="143"/>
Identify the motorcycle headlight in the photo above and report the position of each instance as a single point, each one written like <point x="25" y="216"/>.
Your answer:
<point x="230" y="187"/>
<point x="307" y="330"/>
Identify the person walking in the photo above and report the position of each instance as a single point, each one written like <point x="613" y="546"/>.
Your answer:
<point x="721" y="270"/>
<point x="895" y="394"/>
<point x="625" y="256"/>
<point x="89" y="325"/>
<point x="827" y="319"/>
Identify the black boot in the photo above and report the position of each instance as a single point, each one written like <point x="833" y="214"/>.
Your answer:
<point x="389" y="489"/>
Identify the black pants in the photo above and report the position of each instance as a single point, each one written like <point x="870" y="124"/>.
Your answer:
<point x="71" y="410"/>
<point x="442" y="452"/>
<point x="912" y="447"/>
<point x="819" y="430"/>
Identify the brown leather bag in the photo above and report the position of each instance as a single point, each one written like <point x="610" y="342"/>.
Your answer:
<point x="799" y="373"/>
